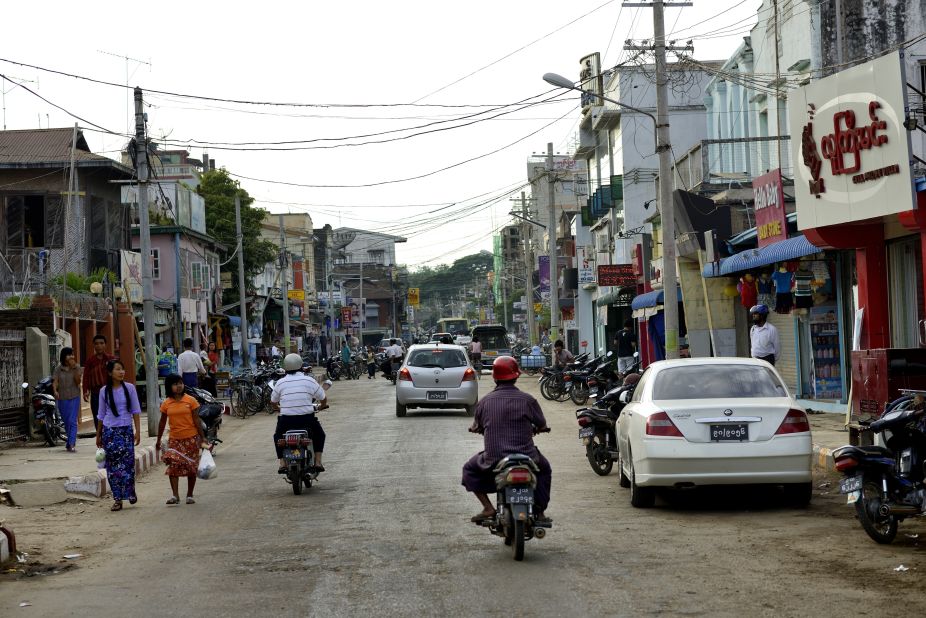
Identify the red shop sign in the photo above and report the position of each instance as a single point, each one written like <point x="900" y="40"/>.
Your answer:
<point x="616" y="275"/>
<point x="769" y="199"/>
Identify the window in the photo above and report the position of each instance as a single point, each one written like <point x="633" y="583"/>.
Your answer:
<point x="34" y="221"/>
<point x="445" y="359"/>
<point x="156" y="264"/>
<point x="641" y="386"/>
<point x="717" y="382"/>
<point x="377" y="256"/>
<point x="197" y="272"/>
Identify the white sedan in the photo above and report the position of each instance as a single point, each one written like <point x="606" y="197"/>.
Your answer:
<point x="713" y="421"/>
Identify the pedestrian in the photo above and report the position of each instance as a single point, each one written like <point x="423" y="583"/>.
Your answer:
<point x="561" y="356"/>
<point x="475" y="354"/>
<point x="274" y="350"/>
<point x="626" y="342"/>
<point x="66" y="385"/>
<point x="119" y="411"/>
<point x="190" y="364"/>
<point x="345" y="358"/>
<point x="185" y="438"/>
<point x="211" y="362"/>
<point x="763" y="337"/>
<point x="371" y="363"/>
<point x="95" y="375"/>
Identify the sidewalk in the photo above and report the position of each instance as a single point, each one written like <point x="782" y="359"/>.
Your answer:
<point x="829" y="433"/>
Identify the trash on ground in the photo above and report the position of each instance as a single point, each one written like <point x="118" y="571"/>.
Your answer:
<point x="25" y="604"/>
<point x="901" y="569"/>
<point x="824" y="485"/>
<point x="913" y="536"/>
<point x="72" y="556"/>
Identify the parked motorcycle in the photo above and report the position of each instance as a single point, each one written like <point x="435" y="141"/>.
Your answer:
<point x="210" y="413"/>
<point x="597" y="427"/>
<point x="515" y="480"/>
<point x="47" y="419"/>
<point x="886" y="483"/>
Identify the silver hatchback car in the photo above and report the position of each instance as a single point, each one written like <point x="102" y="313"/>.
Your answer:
<point x="436" y="375"/>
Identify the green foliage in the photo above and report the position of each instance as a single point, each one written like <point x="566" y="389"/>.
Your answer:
<point x="81" y="283"/>
<point x="18" y="302"/>
<point x="219" y="191"/>
<point x="442" y="282"/>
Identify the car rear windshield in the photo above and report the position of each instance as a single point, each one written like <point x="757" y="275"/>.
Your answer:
<point x="445" y="359"/>
<point x="492" y="340"/>
<point x="712" y="381"/>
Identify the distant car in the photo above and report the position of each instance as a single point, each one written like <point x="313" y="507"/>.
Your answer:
<point x="384" y="343"/>
<point x="494" y="340"/>
<point x="436" y="376"/>
<point x="713" y="421"/>
<point x="436" y="337"/>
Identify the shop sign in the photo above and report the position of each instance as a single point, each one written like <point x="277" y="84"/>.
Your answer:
<point x="590" y="80"/>
<point x="585" y="258"/>
<point x="131" y="275"/>
<point x="345" y="315"/>
<point x="295" y="294"/>
<point x="850" y="149"/>
<point x="543" y="266"/>
<point x="769" y="200"/>
<point x="616" y="275"/>
<point x="519" y="317"/>
<point x="538" y="308"/>
<point x="413" y="297"/>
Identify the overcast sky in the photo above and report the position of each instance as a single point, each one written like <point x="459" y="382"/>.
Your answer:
<point x="365" y="53"/>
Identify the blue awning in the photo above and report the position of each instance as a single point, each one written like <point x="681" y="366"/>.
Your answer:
<point x="651" y="299"/>
<point x="753" y="258"/>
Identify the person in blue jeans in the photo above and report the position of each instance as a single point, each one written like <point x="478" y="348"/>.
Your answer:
<point x="66" y="386"/>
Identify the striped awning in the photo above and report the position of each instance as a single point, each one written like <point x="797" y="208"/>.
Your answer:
<point x="652" y="299"/>
<point x="780" y="251"/>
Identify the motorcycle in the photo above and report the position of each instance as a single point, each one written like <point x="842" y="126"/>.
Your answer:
<point x="210" y="414"/>
<point x="45" y="411"/>
<point x="597" y="428"/>
<point x="334" y="368"/>
<point x="514" y="520"/>
<point x="886" y="483"/>
<point x="552" y="379"/>
<point x="299" y="456"/>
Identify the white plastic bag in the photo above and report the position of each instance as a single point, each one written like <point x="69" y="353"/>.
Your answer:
<point x="206" y="466"/>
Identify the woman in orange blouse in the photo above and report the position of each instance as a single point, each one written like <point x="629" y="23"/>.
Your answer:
<point x="185" y="439"/>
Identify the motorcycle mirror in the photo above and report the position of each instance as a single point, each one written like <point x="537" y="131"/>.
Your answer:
<point x="624" y="397"/>
<point x="25" y="385"/>
<point x="610" y="354"/>
<point x="636" y="355"/>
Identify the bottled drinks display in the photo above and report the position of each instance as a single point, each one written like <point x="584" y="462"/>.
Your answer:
<point x="825" y="348"/>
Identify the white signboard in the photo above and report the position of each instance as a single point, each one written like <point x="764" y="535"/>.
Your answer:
<point x="131" y="275"/>
<point x="585" y="258"/>
<point x="850" y="149"/>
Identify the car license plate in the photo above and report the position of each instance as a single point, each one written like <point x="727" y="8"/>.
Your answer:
<point x="519" y="495"/>
<point x="850" y="484"/>
<point x="730" y="433"/>
<point x="437" y="395"/>
<point x="586" y="432"/>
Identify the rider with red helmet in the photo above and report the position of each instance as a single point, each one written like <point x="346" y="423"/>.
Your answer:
<point x="508" y="418"/>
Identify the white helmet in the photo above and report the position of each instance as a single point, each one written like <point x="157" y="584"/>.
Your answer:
<point x="292" y="362"/>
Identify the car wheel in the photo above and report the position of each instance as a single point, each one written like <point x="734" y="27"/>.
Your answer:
<point x="623" y="481"/>
<point x="799" y="494"/>
<point x="471" y="410"/>
<point x="400" y="410"/>
<point x="640" y="497"/>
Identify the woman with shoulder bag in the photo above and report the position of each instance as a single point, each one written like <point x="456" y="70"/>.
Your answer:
<point x="66" y="386"/>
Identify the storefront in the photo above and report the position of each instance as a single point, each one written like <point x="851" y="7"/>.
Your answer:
<point x="611" y="311"/>
<point x="648" y="310"/>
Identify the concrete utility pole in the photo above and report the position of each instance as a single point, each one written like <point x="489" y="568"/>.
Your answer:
<point x="528" y="271"/>
<point x="285" y="284"/>
<point x="551" y="248"/>
<point x="152" y="399"/>
<point x="242" y="292"/>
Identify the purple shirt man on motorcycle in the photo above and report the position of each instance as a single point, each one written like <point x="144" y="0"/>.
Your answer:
<point x="508" y="418"/>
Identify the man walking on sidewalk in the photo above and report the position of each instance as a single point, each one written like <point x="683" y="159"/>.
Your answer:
<point x="95" y="376"/>
<point x="190" y="364"/>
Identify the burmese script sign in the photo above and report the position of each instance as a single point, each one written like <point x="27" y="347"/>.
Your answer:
<point x="850" y="150"/>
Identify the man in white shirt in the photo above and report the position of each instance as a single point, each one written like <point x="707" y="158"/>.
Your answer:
<point x="394" y="355"/>
<point x="294" y="393"/>
<point x="189" y="364"/>
<point x="274" y="351"/>
<point x="763" y="337"/>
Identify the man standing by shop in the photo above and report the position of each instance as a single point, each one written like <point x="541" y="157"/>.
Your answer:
<point x="626" y="342"/>
<point x="763" y="337"/>
<point x="95" y="376"/>
<point x="190" y="364"/>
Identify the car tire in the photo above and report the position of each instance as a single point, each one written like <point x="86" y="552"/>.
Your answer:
<point x="400" y="410"/>
<point x="799" y="494"/>
<point x="471" y="410"/>
<point x="623" y="481"/>
<point x="640" y="497"/>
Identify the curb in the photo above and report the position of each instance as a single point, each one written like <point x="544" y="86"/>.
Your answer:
<point x="94" y="484"/>
<point x="823" y="459"/>
<point x="7" y="544"/>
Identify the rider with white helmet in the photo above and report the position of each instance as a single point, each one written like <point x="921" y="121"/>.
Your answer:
<point x="295" y="393"/>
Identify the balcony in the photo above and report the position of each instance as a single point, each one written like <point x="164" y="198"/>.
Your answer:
<point x="726" y="161"/>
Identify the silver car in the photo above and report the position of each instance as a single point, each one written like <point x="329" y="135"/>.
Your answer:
<point x="436" y="375"/>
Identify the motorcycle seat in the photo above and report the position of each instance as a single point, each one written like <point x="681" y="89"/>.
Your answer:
<point x="862" y="452"/>
<point x="516" y="459"/>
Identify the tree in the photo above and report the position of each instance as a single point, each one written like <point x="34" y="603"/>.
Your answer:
<point x="218" y="189"/>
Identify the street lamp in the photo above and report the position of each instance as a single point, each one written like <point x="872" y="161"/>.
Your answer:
<point x="666" y="209"/>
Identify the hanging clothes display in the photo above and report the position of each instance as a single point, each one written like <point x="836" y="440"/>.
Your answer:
<point x="748" y="292"/>
<point x="803" y="288"/>
<point x="766" y="288"/>
<point x="782" y="280"/>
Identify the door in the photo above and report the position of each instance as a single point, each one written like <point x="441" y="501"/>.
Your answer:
<point x="905" y="266"/>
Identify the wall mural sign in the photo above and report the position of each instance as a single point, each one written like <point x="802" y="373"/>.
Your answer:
<point x="769" y="200"/>
<point x="852" y="159"/>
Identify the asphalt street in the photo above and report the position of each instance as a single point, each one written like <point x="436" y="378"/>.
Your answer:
<point x="386" y="532"/>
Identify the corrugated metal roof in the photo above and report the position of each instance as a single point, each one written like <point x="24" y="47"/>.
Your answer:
<point x="48" y="147"/>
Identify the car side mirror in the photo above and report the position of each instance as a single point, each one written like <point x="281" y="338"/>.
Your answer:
<point x="624" y="397"/>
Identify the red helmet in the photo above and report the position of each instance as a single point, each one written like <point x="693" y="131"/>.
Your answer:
<point x="505" y="368"/>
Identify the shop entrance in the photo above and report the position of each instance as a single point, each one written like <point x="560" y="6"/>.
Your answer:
<point x="905" y="266"/>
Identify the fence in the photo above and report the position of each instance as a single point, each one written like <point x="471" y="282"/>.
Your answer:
<point x="14" y="416"/>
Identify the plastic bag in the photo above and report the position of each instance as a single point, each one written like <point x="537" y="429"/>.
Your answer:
<point x="206" y="466"/>
<point x="100" y="455"/>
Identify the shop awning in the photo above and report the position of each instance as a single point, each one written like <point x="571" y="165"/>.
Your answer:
<point x="612" y="297"/>
<point x="780" y="251"/>
<point x="652" y="299"/>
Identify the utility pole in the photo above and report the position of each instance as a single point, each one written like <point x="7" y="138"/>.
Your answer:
<point x="528" y="272"/>
<point x="242" y="292"/>
<point x="777" y="85"/>
<point x="504" y="301"/>
<point x="664" y="150"/>
<point x="551" y="248"/>
<point x="152" y="399"/>
<point x="285" y="284"/>
<point x="363" y="308"/>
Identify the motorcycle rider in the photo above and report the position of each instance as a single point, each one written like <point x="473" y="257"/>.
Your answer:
<point x="561" y="356"/>
<point x="394" y="355"/>
<point x="508" y="418"/>
<point x="294" y="393"/>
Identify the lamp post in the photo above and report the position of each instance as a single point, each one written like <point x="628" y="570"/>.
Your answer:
<point x="666" y="209"/>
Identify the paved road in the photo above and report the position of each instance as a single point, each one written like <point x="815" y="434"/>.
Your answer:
<point x="386" y="533"/>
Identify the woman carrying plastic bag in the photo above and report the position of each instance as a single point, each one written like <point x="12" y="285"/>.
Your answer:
<point x="185" y="438"/>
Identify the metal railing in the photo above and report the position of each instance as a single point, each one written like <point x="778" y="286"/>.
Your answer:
<point x="721" y="161"/>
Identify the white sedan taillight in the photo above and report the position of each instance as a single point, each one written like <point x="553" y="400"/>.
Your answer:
<point x="795" y="421"/>
<point x="659" y="424"/>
